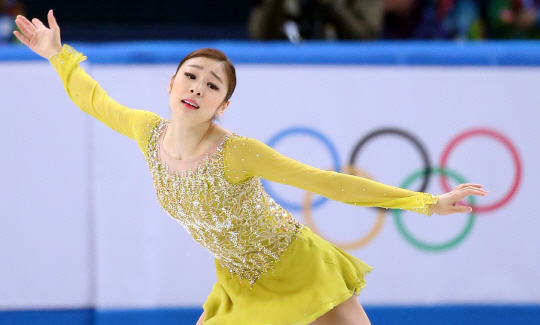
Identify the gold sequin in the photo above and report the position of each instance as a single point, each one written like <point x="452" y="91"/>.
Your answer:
<point x="240" y="224"/>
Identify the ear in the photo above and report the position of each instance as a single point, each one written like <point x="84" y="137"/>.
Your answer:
<point x="222" y="108"/>
<point x="171" y="84"/>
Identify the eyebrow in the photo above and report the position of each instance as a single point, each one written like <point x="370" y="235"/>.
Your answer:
<point x="212" y="72"/>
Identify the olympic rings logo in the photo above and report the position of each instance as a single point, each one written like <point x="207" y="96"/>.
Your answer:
<point x="425" y="173"/>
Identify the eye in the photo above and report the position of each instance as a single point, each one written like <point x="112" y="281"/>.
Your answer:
<point x="190" y="75"/>
<point x="212" y="86"/>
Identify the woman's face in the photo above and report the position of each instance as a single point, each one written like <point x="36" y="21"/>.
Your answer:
<point x="198" y="90"/>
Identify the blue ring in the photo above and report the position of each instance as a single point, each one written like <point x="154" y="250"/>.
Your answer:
<point x="303" y="130"/>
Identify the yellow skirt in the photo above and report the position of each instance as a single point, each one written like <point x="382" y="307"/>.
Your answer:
<point x="312" y="277"/>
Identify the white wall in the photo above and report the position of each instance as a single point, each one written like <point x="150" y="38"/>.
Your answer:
<point x="80" y="224"/>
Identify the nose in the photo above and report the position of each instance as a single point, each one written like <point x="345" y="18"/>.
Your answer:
<point x="193" y="91"/>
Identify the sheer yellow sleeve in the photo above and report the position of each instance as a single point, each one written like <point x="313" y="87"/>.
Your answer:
<point x="245" y="158"/>
<point x="91" y="99"/>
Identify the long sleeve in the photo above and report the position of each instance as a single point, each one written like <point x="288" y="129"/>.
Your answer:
<point x="91" y="99"/>
<point x="245" y="158"/>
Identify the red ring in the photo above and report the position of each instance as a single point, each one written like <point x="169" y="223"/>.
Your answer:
<point x="508" y="145"/>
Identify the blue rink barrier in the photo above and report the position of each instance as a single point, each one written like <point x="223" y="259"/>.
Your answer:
<point x="489" y="53"/>
<point x="411" y="315"/>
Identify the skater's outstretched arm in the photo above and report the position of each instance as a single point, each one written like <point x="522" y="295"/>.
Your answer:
<point x="81" y="88"/>
<point x="246" y="158"/>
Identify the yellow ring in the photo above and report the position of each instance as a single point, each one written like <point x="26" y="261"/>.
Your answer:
<point x="306" y="208"/>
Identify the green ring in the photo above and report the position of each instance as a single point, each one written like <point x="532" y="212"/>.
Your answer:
<point x="434" y="246"/>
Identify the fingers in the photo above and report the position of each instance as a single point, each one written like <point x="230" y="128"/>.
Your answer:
<point x="460" y="195"/>
<point x="461" y="209"/>
<point x="26" y="27"/>
<point x="470" y="191"/>
<point x="38" y="23"/>
<point x="52" y="21"/>
<point x="462" y="191"/>
<point x="460" y="186"/>
<point x="21" y="38"/>
<point x="475" y="191"/>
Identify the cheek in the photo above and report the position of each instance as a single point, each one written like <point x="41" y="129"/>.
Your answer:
<point x="216" y="97"/>
<point x="180" y="82"/>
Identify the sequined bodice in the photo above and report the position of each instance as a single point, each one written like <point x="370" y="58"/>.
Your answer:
<point x="239" y="224"/>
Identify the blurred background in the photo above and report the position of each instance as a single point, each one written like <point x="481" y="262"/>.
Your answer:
<point x="101" y="20"/>
<point x="392" y="87"/>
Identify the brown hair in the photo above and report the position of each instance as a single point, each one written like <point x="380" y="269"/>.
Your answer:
<point x="218" y="56"/>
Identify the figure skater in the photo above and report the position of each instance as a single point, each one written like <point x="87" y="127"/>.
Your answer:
<point x="271" y="269"/>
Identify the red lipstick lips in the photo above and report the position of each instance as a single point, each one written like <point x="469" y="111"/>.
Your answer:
<point x="190" y="103"/>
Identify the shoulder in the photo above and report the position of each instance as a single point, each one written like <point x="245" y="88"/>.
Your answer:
<point x="238" y="147"/>
<point x="145" y="124"/>
<point x="236" y="141"/>
<point x="142" y="116"/>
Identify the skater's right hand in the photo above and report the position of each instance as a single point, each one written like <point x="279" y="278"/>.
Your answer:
<point x="40" y="39"/>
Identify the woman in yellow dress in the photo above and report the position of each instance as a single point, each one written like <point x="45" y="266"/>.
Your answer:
<point x="271" y="269"/>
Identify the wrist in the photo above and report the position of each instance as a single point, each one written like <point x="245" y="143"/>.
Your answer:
<point x="55" y="51"/>
<point x="432" y="208"/>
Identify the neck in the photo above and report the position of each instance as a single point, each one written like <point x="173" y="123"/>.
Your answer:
<point x="183" y="140"/>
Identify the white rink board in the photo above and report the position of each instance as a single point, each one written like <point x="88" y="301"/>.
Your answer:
<point x="80" y="224"/>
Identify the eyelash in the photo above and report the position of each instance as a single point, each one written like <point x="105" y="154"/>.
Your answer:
<point x="192" y="76"/>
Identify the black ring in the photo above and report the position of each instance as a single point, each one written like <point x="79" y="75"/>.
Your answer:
<point x="404" y="134"/>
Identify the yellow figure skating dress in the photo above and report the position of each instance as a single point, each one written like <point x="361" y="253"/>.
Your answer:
<point x="271" y="269"/>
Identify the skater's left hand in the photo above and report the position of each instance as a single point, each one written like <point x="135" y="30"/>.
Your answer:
<point x="447" y="202"/>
